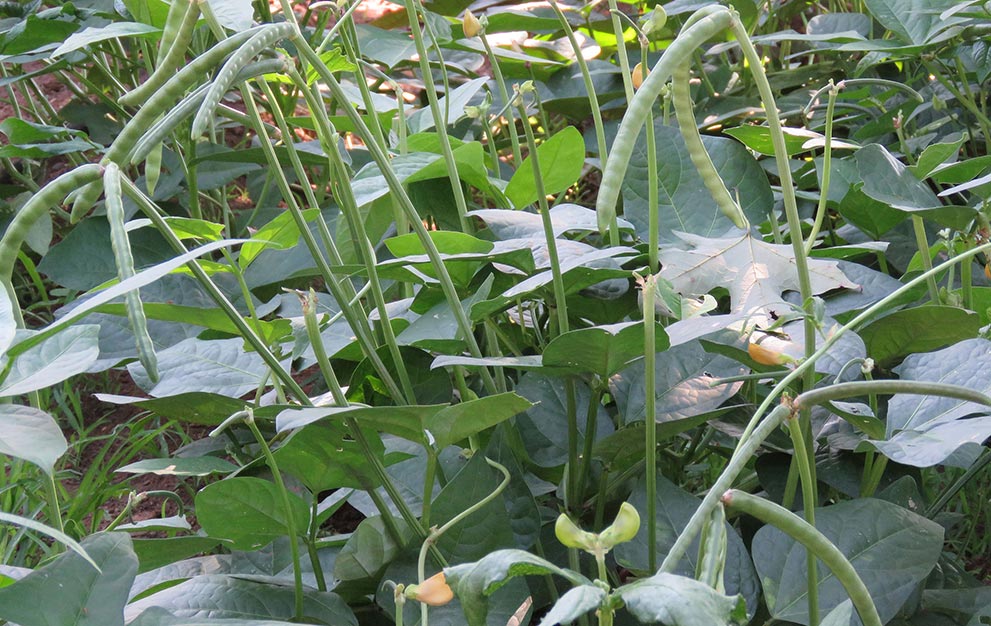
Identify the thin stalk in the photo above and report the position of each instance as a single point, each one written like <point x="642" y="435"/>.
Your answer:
<point x="804" y="464"/>
<point x="571" y="409"/>
<point x="311" y="548"/>
<point x="827" y="161"/>
<point x="396" y="187"/>
<point x="922" y="242"/>
<point x="440" y="121"/>
<point x="55" y="509"/>
<point x="600" y="133"/>
<point x="560" y="299"/>
<point x="841" y="391"/>
<point x="290" y="517"/>
<point x="650" y="416"/>
<point x="959" y="484"/>
<point x="653" y="213"/>
<point x="514" y="138"/>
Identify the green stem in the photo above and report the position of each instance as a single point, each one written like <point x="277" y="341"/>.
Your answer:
<point x="804" y="463"/>
<point x="650" y="415"/>
<point x="922" y="242"/>
<point x="290" y="517"/>
<point x="827" y="165"/>
<point x="55" y="509"/>
<point x="842" y="391"/>
<point x="806" y="534"/>
<point x="514" y="138"/>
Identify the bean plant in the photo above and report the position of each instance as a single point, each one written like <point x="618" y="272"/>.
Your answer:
<point x="497" y="314"/>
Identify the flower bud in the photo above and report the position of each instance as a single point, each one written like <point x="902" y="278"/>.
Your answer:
<point x="987" y="270"/>
<point x="638" y="75"/>
<point x="624" y="528"/>
<point x="571" y="536"/>
<point x="766" y="356"/>
<point x="470" y="24"/>
<point x="655" y="23"/>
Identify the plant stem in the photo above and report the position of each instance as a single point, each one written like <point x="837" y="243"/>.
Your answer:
<point x="841" y="391"/>
<point x="925" y="255"/>
<point x="650" y="416"/>
<point x="804" y="464"/>
<point x="514" y="138"/>
<point x="827" y="165"/>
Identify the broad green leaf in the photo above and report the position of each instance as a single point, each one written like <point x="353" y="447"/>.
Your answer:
<point x="544" y="427"/>
<point x="219" y="597"/>
<point x="153" y="12"/>
<point x="20" y="132"/>
<point x="156" y="553"/>
<point x="219" y="366"/>
<point x="576" y="602"/>
<point x="485" y="530"/>
<point x="180" y="466"/>
<point x="69" y="592"/>
<point x="452" y="104"/>
<point x="927" y="430"/>
<point x="91" y="35"/>
<point x="681" y="601"/>
<point x="682" y="388"/>
<point x="157" y="616"/>
<point x="325" y="455"/>
<point x="935" y="155"/>
<point x="508" y="224"/>
<point x="58" y="358"/>
<point x="797" y="140"/>
<point x="684" y="204"/>
<point x="208" y="409"/>
<point x="235" y="15"/>
<point x="385" y="46"/>
<point x="912" y="21"/>
<point x="282" y="232"/>
<point x="248" y="511"/>
<point x="602" y="350"/>
<point x="460" y="421"/>
<point x="561" y="158"/>
<point x="32" y="435"/>
<point x="369" y="184"/>
<point x="891" y="548"/>
<point x="367" y="552"/>
<point x="214" y="319"/>
<point x="756" y="274"/>
<point x="919" y="329"/>
<point x="35" y="33"/>
<point x="474" y="582"/>
<point x="57" y="535"/>
<point x="674" y="508"/>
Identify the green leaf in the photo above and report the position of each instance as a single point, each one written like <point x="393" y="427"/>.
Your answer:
<point x="576" y="602"/>
<point x="155" y="553"/>
<point x="682" y="388"/>
<point x="213" y="318"/>
<point x="891" y="548"/>
<point x="57" y="535"/>
<point x="207" y="409"/>
<point x="684" y="204"/>
<point x="912" y="21"/>
<point x="797" y="140"/>
<point x="460" y="421"/>
<point x="248" y="511"/>
<point x="927" y="430"/>
<point x="91" y="35"/>
<point x="8" y="323"/>
<point x="474" y="582"/>
<point x="230" y="597"/>
<point x="508" y="224"/>
<point x="180" y="466"/>
<point x="235" y="15"/>
<point x="561" y="159"/>
<point x="32" y="435"/>
<point x="282" y="232"/>
<point x="920" y="329"/>
<point x="367" y="552"/>
<point x="157" y="616"/>
<point x="674" y="508"/>
<point x="58" y="358"/>
<point x="602" y="350"/>
<point x="69" y="592"/>
<point x="20" y="132"/>
<point x="219" y="366"/>
<point x="325" y="455"/>
<point x="681" y="601"/>
<point x="35" y="33"/>
<point x="935" y="155"/>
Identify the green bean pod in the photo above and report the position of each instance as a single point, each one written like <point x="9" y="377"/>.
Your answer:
<point x="153" y="168"/>
<point x="48" y="196"/>
<point x="712" y="551"/>
<point x="177" y="10"/>
<point x="807" y="535"/>
<point x="263" y="40"/>
<point x="157" y="133"/>
<point x="681" y="96"/>
<point x="157" y="105"/>
<point x="170" y="62"/>
<point x="125" y="269"/>
<point x="715" y="19"/>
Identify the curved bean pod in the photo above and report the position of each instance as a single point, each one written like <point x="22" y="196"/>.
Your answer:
<point x="807" y="535"/>
<point x="85" y="197"/>
<point x="125" y="269"/>
<point x="261" y="41"/>
<point x="715" y="20"/>
<point x="177" y="10"/>
<point x="153" y="167"/>
<point x="712" y="550"/>
<point x="681" y="96"/>
<point x="48" y="196"/>
<point x="168" y="64"/>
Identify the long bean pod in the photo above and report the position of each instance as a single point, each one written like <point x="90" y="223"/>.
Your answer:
<point x="170" y="62"/>
<point x="125" y="269"/>
<point x="261" y="41"/>
<point x="716" y="20"/>
<point x="807" y="535"/>
<point x="173" y="21"/>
